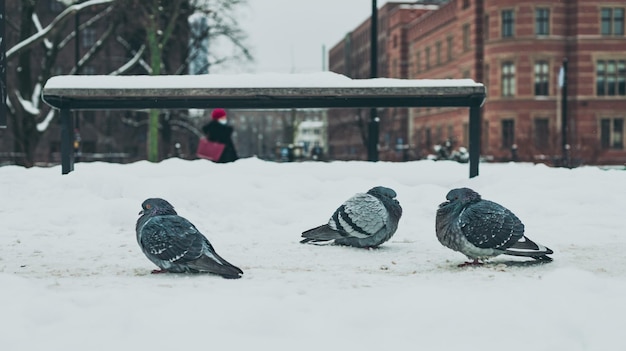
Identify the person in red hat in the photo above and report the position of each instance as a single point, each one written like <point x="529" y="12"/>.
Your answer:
<point x="219" y="131"/>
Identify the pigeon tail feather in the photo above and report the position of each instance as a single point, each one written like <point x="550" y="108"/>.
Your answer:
<point x="208" y="264"/>
<point x="322" y="233"/>
<point x="528" y="248"/>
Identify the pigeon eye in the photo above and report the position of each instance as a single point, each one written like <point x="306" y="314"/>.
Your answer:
<point x="148" y="206"/>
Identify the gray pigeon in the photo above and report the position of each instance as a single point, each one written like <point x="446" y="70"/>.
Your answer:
<point x="365" y="220"/>
<point x="175" y="245"/>
<point x="481" y="229"/>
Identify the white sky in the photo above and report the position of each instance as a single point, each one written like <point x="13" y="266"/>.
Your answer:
<point x="287" y="36"/>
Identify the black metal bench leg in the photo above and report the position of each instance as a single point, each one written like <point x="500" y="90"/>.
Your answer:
<point x="67" y="150"/>
<point x="474" y="139"/>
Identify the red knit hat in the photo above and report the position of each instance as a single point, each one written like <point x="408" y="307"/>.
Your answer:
<point x="218" y="113"/>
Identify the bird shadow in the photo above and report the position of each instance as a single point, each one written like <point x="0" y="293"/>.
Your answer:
<point x="500" y="264"/>
<point x="512" y="263"/>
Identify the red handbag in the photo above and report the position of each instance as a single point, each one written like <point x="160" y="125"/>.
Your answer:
<point x="210" y="150"/>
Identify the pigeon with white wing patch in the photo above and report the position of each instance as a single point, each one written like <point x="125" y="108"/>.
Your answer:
<point x="365" y="221"/>
<point x="481" y="229"/>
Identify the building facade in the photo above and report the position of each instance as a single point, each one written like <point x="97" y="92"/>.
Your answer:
<point x="348" y="128"/>
<point x="517" y="49"/>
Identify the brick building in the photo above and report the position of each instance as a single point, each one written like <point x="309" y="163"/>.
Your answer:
<point x="351" y="57"/>
<point x="516" y="48"/>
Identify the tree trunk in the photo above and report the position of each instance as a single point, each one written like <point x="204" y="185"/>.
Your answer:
<point x="155" y="49"/>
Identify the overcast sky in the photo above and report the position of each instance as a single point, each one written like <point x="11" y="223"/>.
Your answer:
<point x="287" y="36"/>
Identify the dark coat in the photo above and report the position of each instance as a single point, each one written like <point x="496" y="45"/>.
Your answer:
<point x="221" y="133"/>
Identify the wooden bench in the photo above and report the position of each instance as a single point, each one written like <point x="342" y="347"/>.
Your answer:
<point x="320" y="90"/>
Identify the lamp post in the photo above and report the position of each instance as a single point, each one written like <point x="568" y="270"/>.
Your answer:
<point x="77" y="139"/>
<point x="564" y="127"/>
<point x="374" y="123"/>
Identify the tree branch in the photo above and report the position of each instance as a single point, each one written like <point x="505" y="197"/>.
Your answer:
<point x="52" y="27"/>
<point x="94" y="49"/>
<point x="131" y="63"/>
<point x="171" y="24"/>
<point x="88" y="23"/>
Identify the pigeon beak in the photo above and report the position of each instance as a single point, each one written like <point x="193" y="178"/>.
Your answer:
<point x="140" y="212"/>
<point x="443" y="204"/>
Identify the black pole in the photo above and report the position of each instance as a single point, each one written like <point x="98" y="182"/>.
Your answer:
<point x="564" y="127"/>
<point x="76" y="132"/>
<point x="67" y="135"/>
<point x="373" y="126"/>
<point x="474" y="138"/>
<point x="3" y="69"/>
<point x="374" y="41"/>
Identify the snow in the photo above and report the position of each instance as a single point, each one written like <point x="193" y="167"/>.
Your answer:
<point x="28" y="105"/>
<point x="260" y="80"/>
<point x="74" y="278"/>
<point x="43" y="125"/>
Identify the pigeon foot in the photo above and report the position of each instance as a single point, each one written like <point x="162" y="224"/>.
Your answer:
<point x="475" y="262"/>
<point x="158" y="271"/>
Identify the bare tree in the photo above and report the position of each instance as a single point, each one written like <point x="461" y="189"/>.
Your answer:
<point x="201" y="22"/>
<point x="148" y="31"/>
<point x="27" y="119"/>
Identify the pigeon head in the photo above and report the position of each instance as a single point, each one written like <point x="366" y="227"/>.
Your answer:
<point x="156" y="206"/>
<point x="381" y="191"/>
<point x="460" y="197"/>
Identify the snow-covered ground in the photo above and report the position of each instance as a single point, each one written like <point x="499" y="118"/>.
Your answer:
<point x="72" y="276"/>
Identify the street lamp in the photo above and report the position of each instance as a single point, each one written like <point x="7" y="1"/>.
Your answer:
<point x="374" y="123"/>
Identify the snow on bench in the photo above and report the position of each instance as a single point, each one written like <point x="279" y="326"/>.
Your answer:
<point x="269" y="90"/>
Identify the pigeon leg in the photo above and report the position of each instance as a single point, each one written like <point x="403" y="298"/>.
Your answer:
<point x="158" y="271"/>
<point x="475" y="262"/>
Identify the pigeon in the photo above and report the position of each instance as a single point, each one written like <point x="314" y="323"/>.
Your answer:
<point x="364" y="221"/>
<point x="175" y="245"/>
<point x="481" y="229"/>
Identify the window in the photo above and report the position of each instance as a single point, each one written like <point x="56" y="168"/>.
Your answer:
<point x="88" y="37"/>
<point x="450" y="48"/>
<point x="611" y="77"/>
<point x="541" y="78"/>
<point x="508" y="23"/>
<point x="466" y="4"/>
<point x="542" y="21"/>
<point x="612" y="21"/>
<point x="541" y="133"/>
<point x="427" y="54"/>
<point x="508" y="136"/>
<point x="438" y="52"/>
<point x="88" y="70"/>
<point x="56" y="6"/>
<point x="418" y="63"/>
<point x="612" y="133"/>
<point x="466" y="37"/>
<point x="508" y="79"/>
